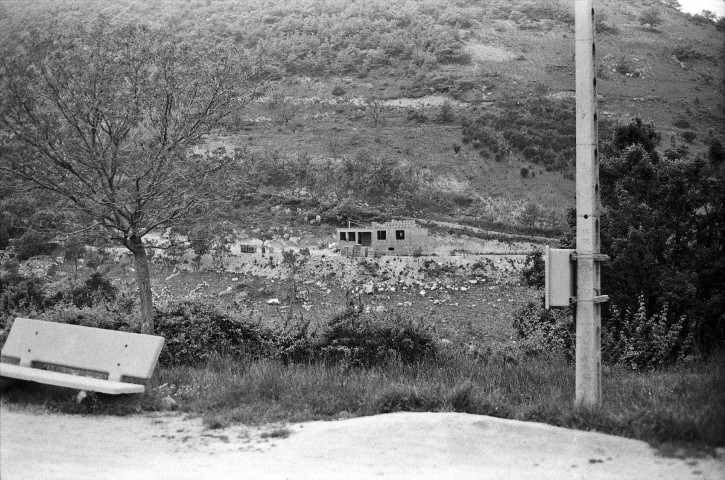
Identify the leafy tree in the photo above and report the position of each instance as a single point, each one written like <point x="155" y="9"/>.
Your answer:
<point x="105" y="118"/>
<point x="530" y="215"/>
<point x="663" y="225"/>
<point x="651" y="17"/>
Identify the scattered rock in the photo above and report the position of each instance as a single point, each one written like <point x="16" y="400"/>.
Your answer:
<point x="175" y="274"/>
<point x="273" y="301"/>
<point x="168" y="403"/>
<point x="81" y="396"/>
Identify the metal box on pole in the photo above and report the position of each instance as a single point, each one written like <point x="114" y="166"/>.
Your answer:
<point x="560" y="284"/>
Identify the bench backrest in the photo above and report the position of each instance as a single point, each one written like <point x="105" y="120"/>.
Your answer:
<point x="96" y="349"/>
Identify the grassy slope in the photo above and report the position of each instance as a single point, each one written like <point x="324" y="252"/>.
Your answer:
<point x="511" y="54"/>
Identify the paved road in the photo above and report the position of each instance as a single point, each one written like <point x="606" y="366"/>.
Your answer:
<point x="396" y="446"/>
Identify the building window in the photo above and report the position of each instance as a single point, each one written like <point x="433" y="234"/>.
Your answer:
<point x="351" y="236"/>
<point x="400" y="234"/>
<point x="382" y="235"/>
<point x="343" y="236"/>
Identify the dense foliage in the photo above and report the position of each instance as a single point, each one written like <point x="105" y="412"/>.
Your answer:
<point x="539" y="130"/>
<point x="664" y="228"/>
<point x="663" y="225"/>
<point x="196" y="331"/>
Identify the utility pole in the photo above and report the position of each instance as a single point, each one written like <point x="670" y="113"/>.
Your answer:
<point x="588" y="295"/>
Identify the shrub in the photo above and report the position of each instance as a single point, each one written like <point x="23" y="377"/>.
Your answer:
<point x="689" y="136"/>
<point x="98" y="316"/>
<point x="681" y="123"/>
<point x="651" y="17"/>
<point x="417" y="115"/>
<point x="445" y="113"/>
<point x="533" y="272"/>
<point x="96" y="288"/>
<point x="196" y="331"/>
<point x="685" y="51"/>
<point x="4" y="232"/>
<point x="545" y="331"/>
<point x="96" y="258"/>
<point x="338" y="91"/>
<point x="33" y="244"/>
<point x="354" y="339"/>
<point x="642" y="341"/>
<point x="715" y="151"/>
<point x="21" y="294"/>
<point x="524" y="172"/>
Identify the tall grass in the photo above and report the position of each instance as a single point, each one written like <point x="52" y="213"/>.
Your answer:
<point x="681" y="406"/>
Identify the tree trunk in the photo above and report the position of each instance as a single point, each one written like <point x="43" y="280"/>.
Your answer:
<point x="143" y="280"/>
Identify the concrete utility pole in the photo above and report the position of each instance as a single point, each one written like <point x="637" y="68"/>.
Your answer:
<point x="588" y="295"/>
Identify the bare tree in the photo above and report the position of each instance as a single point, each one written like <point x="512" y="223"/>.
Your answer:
<point x="106" y="117"/>
<point x="334" y="142"/>
<point x="376" y="110"/>
<point x="282" y="108"/>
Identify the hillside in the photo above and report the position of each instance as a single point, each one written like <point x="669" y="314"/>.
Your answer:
<point x="363" y="92"/>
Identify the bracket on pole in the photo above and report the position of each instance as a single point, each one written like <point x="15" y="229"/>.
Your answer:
<point x="595" y="299"/>
<point x="597" y="257"/>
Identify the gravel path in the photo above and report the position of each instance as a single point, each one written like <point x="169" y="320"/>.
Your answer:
<point x="397" y="446"/>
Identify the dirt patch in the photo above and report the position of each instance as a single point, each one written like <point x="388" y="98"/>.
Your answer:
<point x="489" y="53"/>
<point x="399" y="445"/>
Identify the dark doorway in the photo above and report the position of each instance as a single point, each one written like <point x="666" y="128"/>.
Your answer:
<point x="365" y="238"/>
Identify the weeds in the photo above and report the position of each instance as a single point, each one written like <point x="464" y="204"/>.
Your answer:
<point x="677" y="406"/>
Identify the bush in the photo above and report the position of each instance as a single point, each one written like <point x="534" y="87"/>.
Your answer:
<point x="196" y="331"/>
<point x="684" y="52"/>
<point x="92" y="316"/>
<point x="21" y="295"/>
<point x="445" y="113"/>
<point x="689" y="136"/>
<point x="643" y="341"/>
<point x="715" y="151"/>
<point x="651" y="17"/>
<point x="533" y="272"/>
<point x="545" y="331"/>
<point x="681" y="123"/>
<point x="33" y="244"/>
<point x="96" y="289"/>
<point x="4" y="232"/>
<point x="353" y="339"/>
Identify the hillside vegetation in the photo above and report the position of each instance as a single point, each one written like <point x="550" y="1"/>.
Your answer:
<point x="430" y="108"/>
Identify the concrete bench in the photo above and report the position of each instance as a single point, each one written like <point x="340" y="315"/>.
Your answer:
<point x="89" y="358"/>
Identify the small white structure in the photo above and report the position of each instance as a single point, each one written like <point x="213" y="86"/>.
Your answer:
<point x="397" y="237"/>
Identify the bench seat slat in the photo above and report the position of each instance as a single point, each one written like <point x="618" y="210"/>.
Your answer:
<point x="68" y="380"/>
